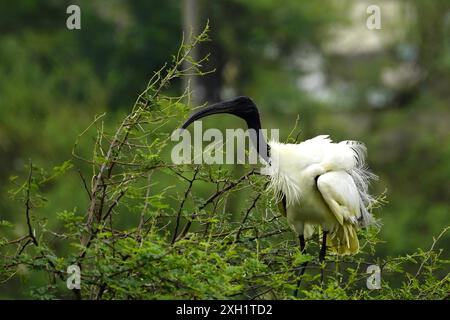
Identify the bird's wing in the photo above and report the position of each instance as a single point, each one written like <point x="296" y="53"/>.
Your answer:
<point x="340" y="193"/>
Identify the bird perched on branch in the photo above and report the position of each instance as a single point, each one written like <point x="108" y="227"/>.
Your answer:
<point x="320" y="185"/>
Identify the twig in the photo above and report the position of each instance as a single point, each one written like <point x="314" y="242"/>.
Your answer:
<point x="144" y="209"/>
<point x="28" y="207"/>
<point x="85" y="184"/>
<point x="211" y="199"/>
<point x="429" y="251"/>
<point x="238" y="233"/>
<point x="265" y="235"/>
<point x="188" y="190"/>
<point x="115" y="203"/>
<point x="230" y="186"/>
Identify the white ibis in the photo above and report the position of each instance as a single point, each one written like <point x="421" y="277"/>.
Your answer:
<point x="319" y="184"/>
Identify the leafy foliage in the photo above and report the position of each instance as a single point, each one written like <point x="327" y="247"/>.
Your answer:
<point x="143" y="237"/>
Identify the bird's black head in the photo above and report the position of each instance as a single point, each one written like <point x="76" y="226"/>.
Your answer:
<point x="242" y="107"/>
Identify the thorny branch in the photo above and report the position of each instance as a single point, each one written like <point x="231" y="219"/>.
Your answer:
<point x="144" y="100"/>
<point x="188" y="190"/>
<point x="253" y="205"/>
<point x="230" y="186"/>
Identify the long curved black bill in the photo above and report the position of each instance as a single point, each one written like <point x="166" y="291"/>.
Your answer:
<point x="242" y="107"/>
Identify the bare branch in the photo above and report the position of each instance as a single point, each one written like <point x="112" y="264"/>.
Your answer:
<point x="28" y="207"/>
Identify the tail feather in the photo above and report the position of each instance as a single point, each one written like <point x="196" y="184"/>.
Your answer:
<point x="362" y="176"/>
<point x="344" y="240"/>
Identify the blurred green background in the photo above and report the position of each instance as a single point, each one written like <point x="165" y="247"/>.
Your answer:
<point x="389" y="88"/>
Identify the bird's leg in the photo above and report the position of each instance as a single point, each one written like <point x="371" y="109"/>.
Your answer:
<point x="302" y="243"/>
<point x="302" y="269"/>
<point x="323" y="251"/>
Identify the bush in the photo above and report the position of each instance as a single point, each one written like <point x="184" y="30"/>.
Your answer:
<point x="144" y="237"/>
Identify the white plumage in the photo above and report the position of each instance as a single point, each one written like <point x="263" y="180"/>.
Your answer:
<point x="319" y="184"/>
<point x="325" y="185"/>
